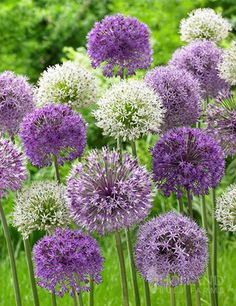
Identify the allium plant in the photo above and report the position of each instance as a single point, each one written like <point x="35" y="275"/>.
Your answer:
<point x="201" y="58"/>
<point x="129" y="110"/>
<point x="180" y="93"/>
<point x="226" y="208"/>
<point x="204" y="23"/>
<point x="42" y="206"/>
<point x="171" y="250"/>
<point x="187" y="159"/>
<point x="67" y="260"/>
<point x="120" y="44"/>
<point x="16" y="100"/>
<point x="106" y="194"/>
<point x="227" y="66"/>
<point x="12" y="168"/>
<point x="53" y="130"/>
<point x="221" y="121"/>
<point x="69" y="83"/>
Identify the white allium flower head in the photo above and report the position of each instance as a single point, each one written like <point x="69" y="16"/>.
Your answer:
<point x="129" y="110"/>
<point x="204" y="23"/>
<point x="42" y="206"/>
<point x="226" y="209"/>
<point x="68" y="83"/>
<point x="227" y="67"/>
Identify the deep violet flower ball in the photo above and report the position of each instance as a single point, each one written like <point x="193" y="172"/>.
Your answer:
<point x="201" y="58"/>
<point x="180" y="93"/>
<point x="12" y="167"/>
<point x="187" y="159"/>
<point x="221" y="123"/>
<point x="53" y="130"/>
<point x="171" y="250"/>
<point x="66" y="260"/>
<point x="106" y="194"/>
<point x="121" y="43"/>
<point x="16" y="100"/>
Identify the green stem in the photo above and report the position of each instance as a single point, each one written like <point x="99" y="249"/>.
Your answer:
<point x="214" y="251"/>
<point x="134" y="150"/>
<point x="31" y="271"/>
<point x="147" y="294"/>
<point x="188" y="295"/>
<point x="54" y="299"/>
<point x="91" y="293"/>
<point x="209" y="270"/>
<point x="122" y="269"/>
<point x="56" y="169"/>
<point x="11" y="256"/>
<point x="172" y="296"/>
<point x="133" y="270"/>
<point x="190" y="205"/>
<point x="198" y="294"/>
<point x="81" y="303"/>
<point x="74" y="297"/>
<point x="181" y="206"/>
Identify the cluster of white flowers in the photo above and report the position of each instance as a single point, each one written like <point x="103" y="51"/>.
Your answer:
<point x="226" y="209"/>
<point x="129" y="110"/>
<point x="227" y="67"/>
<point x="42" y="206"/>
<point x="204" y="24"/>
<point x="69" y="83"/>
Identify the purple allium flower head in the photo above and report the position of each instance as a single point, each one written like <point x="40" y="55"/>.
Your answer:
<point x="106" y="194"/>
<point x="53" y="130"/>
<point x="221" y="120"/>
<point x="187" y="159"/>
<point x="180" y="93"/>
<point x="202" y="58"/>
<point x="122" y="43"/>
<point x="67" y="260"/>
<point x="12" y="169"/>
<point x="16" y="100"/>
<point x="171" y="246"/>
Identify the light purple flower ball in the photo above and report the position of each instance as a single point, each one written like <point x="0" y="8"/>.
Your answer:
<point x="12" y="168"/>
<point x="16" y="100"/>
<point x="67" y="259"/>
<point x="106" y="194"/>
<point x="187" y="159"/>
<point x="121" y="43"/>
<point x="171" y="250"/>
<point x="201" y="58"/>
<point x="53" y="130"/>
<point x="180" y="93"/>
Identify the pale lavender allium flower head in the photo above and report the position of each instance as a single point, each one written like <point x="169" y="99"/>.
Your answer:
<point x="171" y="250"/>
<point x="121" y="43"/>
<point x="221" y="121"/>
<point x="16" y="100"/>
<point x="201" y="58"/>
<point x="180" y="93"/>
<point x="187" y="159"/>
<point x="53" y="130"/>
<point x="66" y="260"/>
<point x="106" y="194"/>
<point x="12" y="168"/>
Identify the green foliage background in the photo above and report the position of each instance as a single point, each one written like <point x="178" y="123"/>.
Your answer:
<point x="37" y="33"/>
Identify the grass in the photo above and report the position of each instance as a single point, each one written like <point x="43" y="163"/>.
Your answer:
<point x="108" y="293"/>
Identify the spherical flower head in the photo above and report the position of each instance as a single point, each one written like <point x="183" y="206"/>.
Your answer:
<point x="227" y="66"/>
<point x="129" y="110"/>
<point x="67" y="260"/>
<point x="201" y="58"/>
<point x="187" y="159"/>
<point x="171" y="250"/>
<point x="204" y="24"/>
<point x="120" y="44"/>
<point x="42" y="206"/>
<point x="53" y="130"/>
<point x="16" y="100"/>
<point x="69" y="83"/>
<point x="106" y="194"/>
<point x="12" y="168"/>
<point x="225" y="209"/>
<point x="180" y="93"/>
<point x="221" y="123"/>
